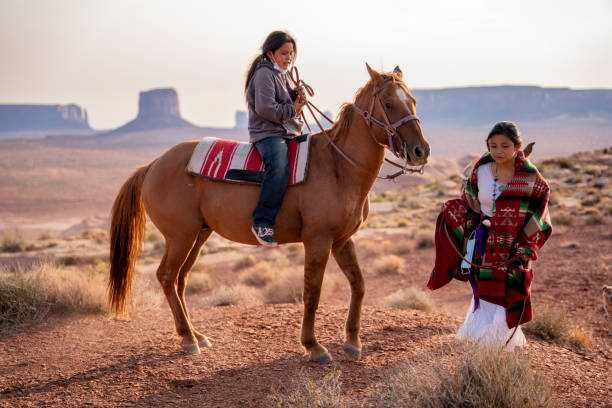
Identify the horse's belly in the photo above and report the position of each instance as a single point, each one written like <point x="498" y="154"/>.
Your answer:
<point x="228" y="210"/>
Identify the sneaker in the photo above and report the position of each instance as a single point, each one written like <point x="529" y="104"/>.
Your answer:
<point x="264" y="235"/>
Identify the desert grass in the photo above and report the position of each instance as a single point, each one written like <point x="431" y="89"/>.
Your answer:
<point x="594" y="219"/>
<point x="409" y="298"/>
<point x="245" y="262"/>
<point x="259" y="276"/>
<point x="286" y="286"/>
<point x="30" y="295"/>
<point x="563" y="219"/>
<point x="424" y="239"/>
<point x="234" y="295"/>
<point x="146" y="291"/>
<point x="388" y="264"/>
<point x="11" y="242"/>
<point x="198" y="282"/>
<point x="552" y="324"/>
<point x="474" y="377"/>
<point x="402" y="247"/>
<point x="154" y="236"/>
<point x="304" y="392"/>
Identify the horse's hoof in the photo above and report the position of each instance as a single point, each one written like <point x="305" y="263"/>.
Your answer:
<point x="191" y="348"/>
<point x="321" y="358"/>
<point x="352" y="351"/>
<point x="205" y="343"/>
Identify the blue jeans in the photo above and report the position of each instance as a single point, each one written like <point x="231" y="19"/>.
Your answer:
<point x="274" y="152"/>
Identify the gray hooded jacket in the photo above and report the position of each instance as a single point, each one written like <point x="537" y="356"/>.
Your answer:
<point x="271" y="110"/>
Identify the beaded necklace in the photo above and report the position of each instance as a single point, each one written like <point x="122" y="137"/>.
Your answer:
<point x="496" y="189"/>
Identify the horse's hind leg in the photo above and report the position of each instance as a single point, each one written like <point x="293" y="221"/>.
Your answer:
<point x="177" y="250"/>
<point x="317" y="254"/>
<point x="182" y="281"/>
<point x="347" y="260"/>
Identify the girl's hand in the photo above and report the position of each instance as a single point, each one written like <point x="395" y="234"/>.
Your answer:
<point x="299" y="104"/>
<point x="301" y="92"/>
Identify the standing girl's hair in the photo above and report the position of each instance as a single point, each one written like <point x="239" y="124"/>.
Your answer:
<point x="507" y="129"/>
<point x="273" y="42"/>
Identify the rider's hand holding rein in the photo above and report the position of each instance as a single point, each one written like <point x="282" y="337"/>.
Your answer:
<point x="300" y="101"/>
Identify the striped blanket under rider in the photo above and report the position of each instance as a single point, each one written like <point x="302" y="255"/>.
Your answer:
<point x="240" y="162"/>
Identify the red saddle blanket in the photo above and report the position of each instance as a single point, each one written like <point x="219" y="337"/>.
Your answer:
<point x="240" y="162"/>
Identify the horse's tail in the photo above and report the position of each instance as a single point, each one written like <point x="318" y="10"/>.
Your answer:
<point x="128" y="221"/>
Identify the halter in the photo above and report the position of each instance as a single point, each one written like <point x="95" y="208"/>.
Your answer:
<point x="294" y="75"/>
<point x="387" y="126"/>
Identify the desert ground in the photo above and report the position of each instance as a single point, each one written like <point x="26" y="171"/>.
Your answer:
<point x="54" y="204"/>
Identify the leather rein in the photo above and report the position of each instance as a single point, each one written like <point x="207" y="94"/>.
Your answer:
<point x="390" y="129"/>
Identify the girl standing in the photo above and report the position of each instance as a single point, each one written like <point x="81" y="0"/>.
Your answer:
<point x="274" y="119"/>
<point x="504" y="208"/>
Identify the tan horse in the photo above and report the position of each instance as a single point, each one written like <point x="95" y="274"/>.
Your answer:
<point x="323" y="213"/>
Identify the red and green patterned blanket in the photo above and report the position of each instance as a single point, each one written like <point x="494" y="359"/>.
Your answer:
<point x="520" y="225"/>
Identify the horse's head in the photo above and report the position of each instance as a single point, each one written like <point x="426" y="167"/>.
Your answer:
<point x="391" y="114"/>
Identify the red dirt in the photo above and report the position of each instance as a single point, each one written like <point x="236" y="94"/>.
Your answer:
<point x="97" y="361"/>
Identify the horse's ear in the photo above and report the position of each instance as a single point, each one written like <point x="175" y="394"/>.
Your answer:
<point x="528" y="149"/>
<point x="373" y="74"/>
<point x="397" y="71"/>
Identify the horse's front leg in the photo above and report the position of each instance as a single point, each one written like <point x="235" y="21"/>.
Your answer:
<point x="316" y="256"/>
<point x="347" y="260"/>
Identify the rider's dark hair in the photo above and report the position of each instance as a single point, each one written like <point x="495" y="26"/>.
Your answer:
<point x="273" y="42"/>
<point x="507" y="129"/>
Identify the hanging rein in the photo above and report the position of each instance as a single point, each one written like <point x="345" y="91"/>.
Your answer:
<point x="390" y="129"/>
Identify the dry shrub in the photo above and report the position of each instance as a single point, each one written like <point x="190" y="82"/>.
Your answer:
<point x="245" y="262"/>
<point x="259" y="276"/>
<point x="29" y="295"/>
<point x="68" y="260"/>
<point x="386" y="245"/>
<point x="146" y="291"/>
<point x="367" y="248"/>
<point x="579" y="339"/>
<point x="388" y="264"/>
<point x="154" y="236"/>
<point x="552" y="324"/>
<point x="425" y="239"/>
<point x="403" y="222"/>
<point x="563" y="219"/>
<point x="476" y="377"/>
<point x="303" y="392"/>
<point x="286" y="287"/>
<point x="332" y="282"/>
<point x="402" y="247"/>
<point x="295" y="248"/>
<point x="199" y="267"/>
<point x="409" y="298"/>
<point x="12" y="242"/>
<point x="594" y="219"/>
<point x="197" y="283"/>
<point x="234" y="295"/>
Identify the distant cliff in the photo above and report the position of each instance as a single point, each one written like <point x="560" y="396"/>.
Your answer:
<point x="42" y="117"/>
<point x="489" y="104"/>
<point x="157" y="109"/>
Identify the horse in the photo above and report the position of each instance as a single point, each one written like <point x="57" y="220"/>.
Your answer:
<point x="323" y="212"/>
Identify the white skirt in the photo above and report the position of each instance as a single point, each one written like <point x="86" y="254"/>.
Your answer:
<point x="487" y="326"/>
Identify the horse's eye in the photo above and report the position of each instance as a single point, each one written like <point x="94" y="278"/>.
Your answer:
<point x="388" y="105"/>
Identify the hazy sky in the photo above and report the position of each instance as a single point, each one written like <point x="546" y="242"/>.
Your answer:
<point x="101" y="53"/>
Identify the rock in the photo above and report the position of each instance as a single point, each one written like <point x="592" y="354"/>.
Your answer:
<point x="17" y="118"/>
<point x="157" y="109"/>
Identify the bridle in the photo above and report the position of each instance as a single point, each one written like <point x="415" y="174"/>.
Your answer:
<point x="390" y="129"/>
<point x="387" y="126"/>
